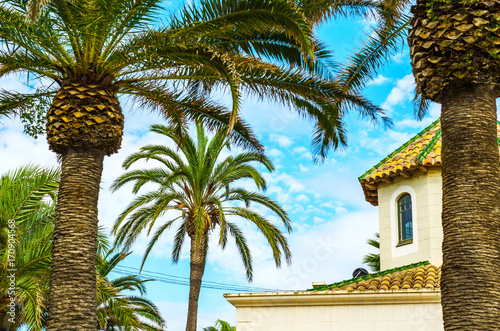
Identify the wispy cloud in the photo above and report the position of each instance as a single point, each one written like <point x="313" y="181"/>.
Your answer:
<point x="303" y="169"/>
<point x="379" y="80"/>
<point x="281" y="140"/>
<point x="401" y="56"/>
<point x="400" y="94"/>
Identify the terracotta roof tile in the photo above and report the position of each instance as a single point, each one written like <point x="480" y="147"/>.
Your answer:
<point x="420" y="152"/>
<point x="416" y="276"/>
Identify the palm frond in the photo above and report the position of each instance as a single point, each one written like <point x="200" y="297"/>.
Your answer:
<point x="364" y="65"/>
<point x="420" y="105"/>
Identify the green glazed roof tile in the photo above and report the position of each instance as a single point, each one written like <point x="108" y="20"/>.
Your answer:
<point x="420" y="152"/>
<point x="422" y="275"/>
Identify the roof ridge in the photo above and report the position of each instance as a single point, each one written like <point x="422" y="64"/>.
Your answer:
<point x="369" y="276"/>
<point x="418" y="135"/>
<point x="429" y="147"/>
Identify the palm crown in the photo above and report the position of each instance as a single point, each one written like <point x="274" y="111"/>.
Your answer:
<point x="204" y="193"/>
<point x="96" y="50"/>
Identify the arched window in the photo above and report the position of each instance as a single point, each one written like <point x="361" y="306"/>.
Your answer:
<point x="405" y="219"/>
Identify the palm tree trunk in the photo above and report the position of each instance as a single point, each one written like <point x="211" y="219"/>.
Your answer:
<point x="471" y="213"/>
<point x="195" y="277"/>
<point x="72" y="301"/>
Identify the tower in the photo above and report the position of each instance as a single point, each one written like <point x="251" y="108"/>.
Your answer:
<point x="406" y="186"/>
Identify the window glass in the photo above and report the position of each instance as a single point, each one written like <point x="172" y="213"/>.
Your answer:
<point x="405" y="218"/>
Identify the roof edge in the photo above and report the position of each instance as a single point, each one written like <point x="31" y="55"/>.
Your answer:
<point x="335" y="298"/>
<point x="400" y="148"/>
<point x="369" y="276"/>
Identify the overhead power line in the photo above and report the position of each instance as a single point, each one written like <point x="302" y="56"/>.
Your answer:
<point x="184" y="281"/>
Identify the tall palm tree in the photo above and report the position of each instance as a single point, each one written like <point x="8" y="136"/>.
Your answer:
<point x="457" y="65"/>
<point x="92" y="52"/>
<point x="201" y="188"/>
<point x="373" y="259"/>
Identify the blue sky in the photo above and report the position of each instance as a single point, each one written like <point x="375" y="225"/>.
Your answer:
<point x="331" y="219"/>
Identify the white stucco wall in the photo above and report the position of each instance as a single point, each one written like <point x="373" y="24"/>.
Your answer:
<point x="338" y="311"/>
<point x="425" y="190"/>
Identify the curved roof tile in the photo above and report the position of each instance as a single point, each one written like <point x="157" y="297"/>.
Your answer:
<point x="420" y="152"/>
<point x="416" y="276"/>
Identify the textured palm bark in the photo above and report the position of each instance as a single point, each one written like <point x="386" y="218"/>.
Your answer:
<point x="471" y="213"/>
<point x="197" y="264"/>
<point x="72" y="301"/>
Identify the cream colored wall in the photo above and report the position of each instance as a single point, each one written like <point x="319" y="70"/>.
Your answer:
<point x="344" y="312"/>
<point x="425" y="190"/>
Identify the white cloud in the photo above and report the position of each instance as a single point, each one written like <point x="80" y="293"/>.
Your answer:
<point x="435" y="110"/>
<point x="433" y="113"/>
<point x="293" y="184"/>
<point x="318" y="220"/>
<point x="282" y="140"/>
<point x="379" y="80"/>
<point x="302" y="152"/>
<point x="18" y="149"/>
<point x="275" y="153"/>
<point x="328" y="204"/>
<point x="302" y="198"/>
<point x="384" y="145"/>
<point x="303" y="169"/>
<point x="299" y="150"/>
<point x="329" y="251"/>
<point x="401" y="56"/>
<point x="340" y="210"/>
<point x="401" y="93"/>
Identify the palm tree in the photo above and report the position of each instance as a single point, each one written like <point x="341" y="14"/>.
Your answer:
<point x="92" y="52"/>
<point x="203" y="193"/>
<point x="220" y="325"/>
<point x="457" y="67"/>
<point x="27" y="208"/>
<point x="373" y="259"/>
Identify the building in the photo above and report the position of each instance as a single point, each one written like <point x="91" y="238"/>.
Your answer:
<point x="406" y="187"/>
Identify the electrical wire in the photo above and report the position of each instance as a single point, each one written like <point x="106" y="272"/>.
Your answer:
<point x="184" y="281"/>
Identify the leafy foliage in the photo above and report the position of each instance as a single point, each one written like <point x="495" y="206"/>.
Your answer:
<point x="117" y="310"/>
<point x="27" y="196"/>
<point x="33" y="115"/>
<point x="202" y="191"/>
<point x="220" y="325"/>
<point x="174" y="67"/>
<point x="373" y="259"/>
<point x="197" y="191"/>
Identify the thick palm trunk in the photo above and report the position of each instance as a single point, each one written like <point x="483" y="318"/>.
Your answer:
<point x="471" y="213"/>
<point x="195" y="277"/>
<point x="72" y="302"/>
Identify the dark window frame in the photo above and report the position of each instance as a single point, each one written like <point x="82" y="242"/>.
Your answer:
<point x="405" y="217"/>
